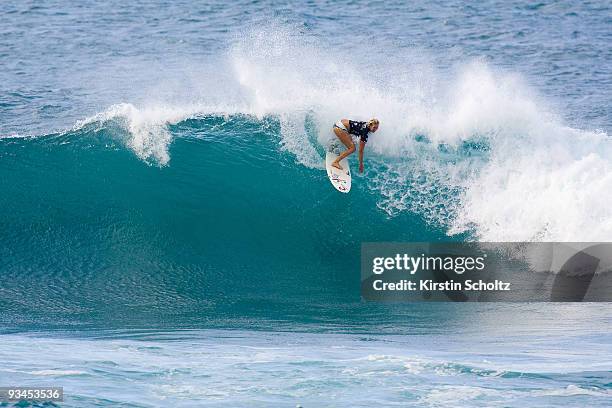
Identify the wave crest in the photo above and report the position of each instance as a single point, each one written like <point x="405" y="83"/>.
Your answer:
<point x="471" y="149"/>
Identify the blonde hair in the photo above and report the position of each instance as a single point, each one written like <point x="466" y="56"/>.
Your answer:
<point x="373" y="121"/>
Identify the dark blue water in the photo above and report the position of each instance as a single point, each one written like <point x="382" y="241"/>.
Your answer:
<point x="167" y="221"/>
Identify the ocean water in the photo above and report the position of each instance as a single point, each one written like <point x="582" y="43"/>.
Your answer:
<point x="169" y="237"/>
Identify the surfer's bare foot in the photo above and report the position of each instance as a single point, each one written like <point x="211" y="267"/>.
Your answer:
<point x="337" y="165"/>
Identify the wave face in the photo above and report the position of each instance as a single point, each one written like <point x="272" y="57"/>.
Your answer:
<point x="210" y="176"/>
<point x="221" y="216"/>
<point x="230" y="221"/>
<point x="180" y="157"/>
<point x="471" y="150"/>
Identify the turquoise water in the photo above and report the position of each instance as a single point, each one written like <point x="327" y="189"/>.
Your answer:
<point x="167" y="222"/>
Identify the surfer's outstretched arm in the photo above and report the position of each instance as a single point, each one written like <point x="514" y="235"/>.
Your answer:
<point x="362" y="145"/>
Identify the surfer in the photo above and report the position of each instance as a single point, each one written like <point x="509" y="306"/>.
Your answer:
<point x="344" y="128"/>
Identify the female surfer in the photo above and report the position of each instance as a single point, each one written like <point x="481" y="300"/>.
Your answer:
<point x="344" y="128"/>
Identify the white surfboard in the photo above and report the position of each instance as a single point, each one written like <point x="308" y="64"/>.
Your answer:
<point x="340" y="179"/>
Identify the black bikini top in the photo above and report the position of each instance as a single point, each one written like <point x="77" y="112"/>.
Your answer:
<point x="359" y="129"/>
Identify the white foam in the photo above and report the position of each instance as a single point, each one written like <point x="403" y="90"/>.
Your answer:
<point x="57" y="372"/>
<point x="454" y="396"/>
<point x="15" y="135"/>
<point x="541" y="180"/>
<point x="147" y="131"/>
<point x="572" y="390"/>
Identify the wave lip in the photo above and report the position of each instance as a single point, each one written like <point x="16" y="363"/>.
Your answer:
<point x="145" y="130"/>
